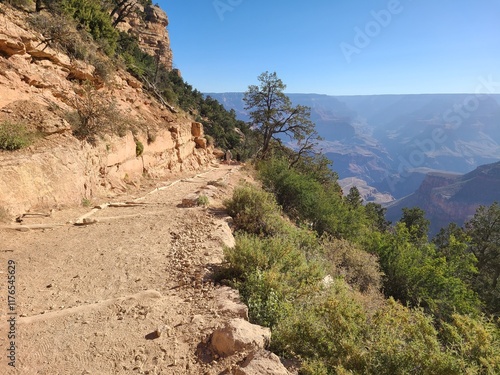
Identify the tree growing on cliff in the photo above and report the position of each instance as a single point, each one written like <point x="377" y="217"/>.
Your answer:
<point x="121" y="9"/>
<point x="416" y="223"/>
<point x="273" y="115"/>
<point x="484" y="230"/>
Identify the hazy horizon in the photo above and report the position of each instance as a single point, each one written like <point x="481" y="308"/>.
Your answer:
<point x="395" y="94"/>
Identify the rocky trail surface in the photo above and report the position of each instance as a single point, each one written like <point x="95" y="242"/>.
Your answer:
<point x="126" y="288"/>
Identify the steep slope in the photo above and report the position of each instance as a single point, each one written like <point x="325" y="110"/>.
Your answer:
<point x="452" y="198"/>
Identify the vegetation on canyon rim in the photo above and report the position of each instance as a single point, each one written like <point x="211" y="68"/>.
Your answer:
<point x="345" y="291"/>
<point x="341" y="289"/>
<point x="345" y="296"/>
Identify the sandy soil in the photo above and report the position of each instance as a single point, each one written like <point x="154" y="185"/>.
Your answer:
<point x="91" y="299"/>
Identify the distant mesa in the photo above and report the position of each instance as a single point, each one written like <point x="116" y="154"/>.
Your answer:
<point x="447" y="197"/>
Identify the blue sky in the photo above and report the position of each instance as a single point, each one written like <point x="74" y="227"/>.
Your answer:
<point x="337" y="47"/>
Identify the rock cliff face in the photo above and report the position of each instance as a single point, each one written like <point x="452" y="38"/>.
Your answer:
<point x="149" y="24"/>
<point x="38" y="88"/>
<point x="451" y="197"/>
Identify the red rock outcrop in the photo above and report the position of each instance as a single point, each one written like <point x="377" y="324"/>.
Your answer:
<point x="38" y="87"/>
<point x="149" y="24"/>
<point x="447" y="197"/>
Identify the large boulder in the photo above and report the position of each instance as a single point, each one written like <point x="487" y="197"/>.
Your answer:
<point x="10" y="46"/>
<point x="197" y="129"/>
<point x="229" y="303"/>
<point x="261" y="362"/>
<point x="239" y="335"/>
<point x="200" y="142"/>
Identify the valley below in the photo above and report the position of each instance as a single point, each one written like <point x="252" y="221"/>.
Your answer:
<point x="392" y="147"/>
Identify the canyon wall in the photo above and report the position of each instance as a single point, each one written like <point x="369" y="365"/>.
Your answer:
<point x="39" y="87"/>
<point x="149" y="26"/>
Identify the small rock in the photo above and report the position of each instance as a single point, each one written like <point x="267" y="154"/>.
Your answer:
<point x="327" y="281"/>
<point x="190" y="201"/>
<point x="87" y="221"/>
<point x="162" y="330"/>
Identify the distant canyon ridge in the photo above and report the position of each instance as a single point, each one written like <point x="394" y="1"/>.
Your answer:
<point x="386" y="145"/>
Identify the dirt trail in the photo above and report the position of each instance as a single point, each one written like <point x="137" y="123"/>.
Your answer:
<point x="91" y="299"/>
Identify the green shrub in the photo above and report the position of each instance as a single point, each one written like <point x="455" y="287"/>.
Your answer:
<point x="315" y="367"/>
<point x="328" y="328"/>
<point x="484" y="232"/>
<point x="419" y="276"/>
<point x="254" y="211"/>
<point x="14" y="136"/>
<point x="95" y="19"/>
<point x="358" y="268"/>
<point x="86" y="202"/>
<point x="281" y="253"/>
<point x="267" y="300"/>
<point x="476" y="343"/>
<point x="309" y="201"/>
<point x="139" y="148"/>
<point x="271" y="273"/>
<point x="404" y="341"/>
<point x="203" y="201"/>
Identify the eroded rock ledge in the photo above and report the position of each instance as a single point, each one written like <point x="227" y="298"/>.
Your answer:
<point x="38" y="86"/>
